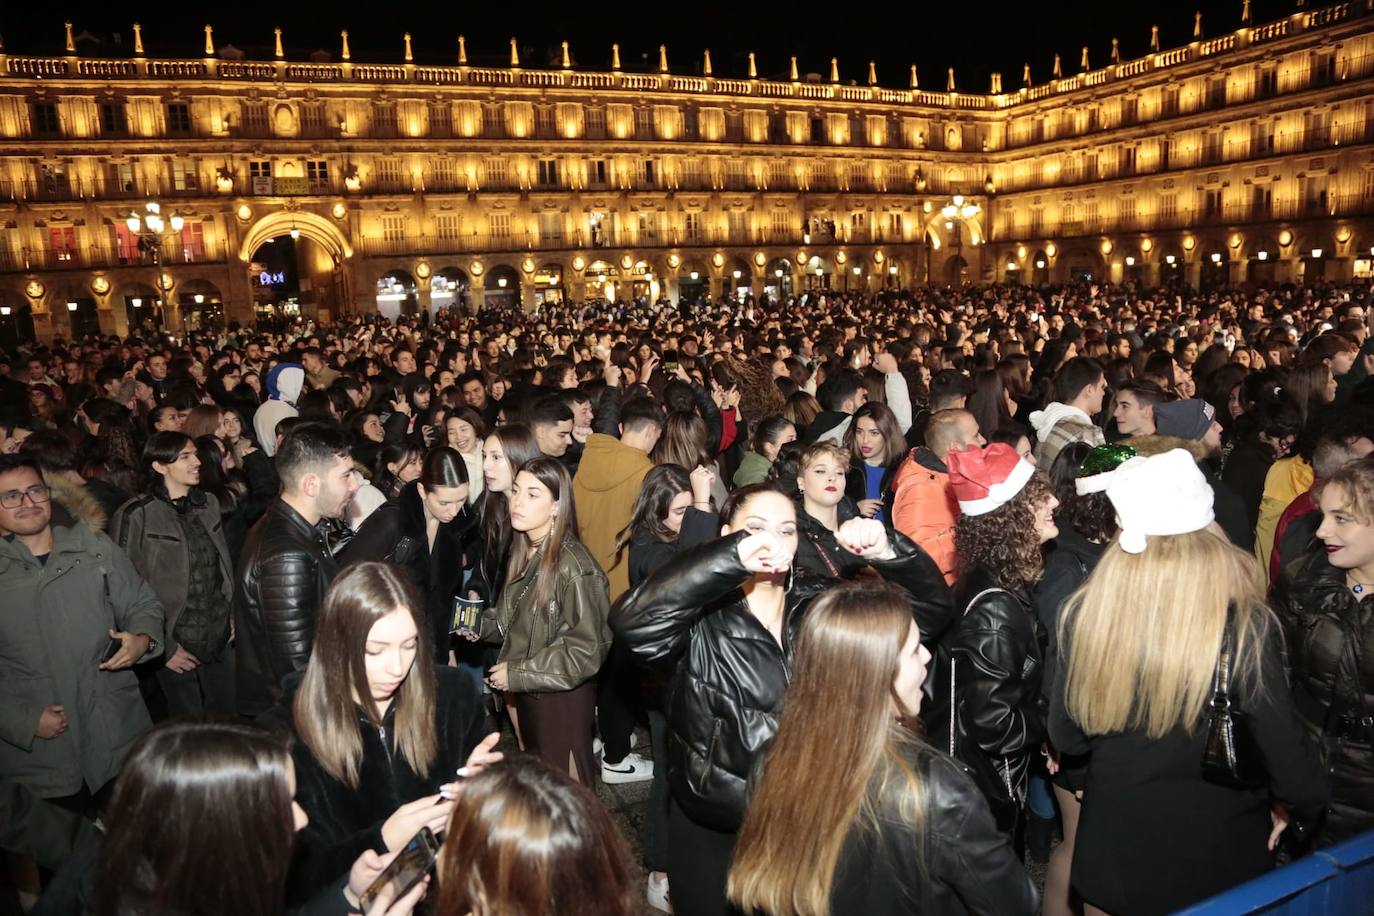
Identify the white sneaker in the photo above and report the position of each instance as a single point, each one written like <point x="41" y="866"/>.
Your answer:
<point x="633" y="768"/>
<point x="658" y="894"/>
<point x="598" y="744"/>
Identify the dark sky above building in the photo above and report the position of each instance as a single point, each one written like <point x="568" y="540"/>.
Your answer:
<point x="975" y="38"/>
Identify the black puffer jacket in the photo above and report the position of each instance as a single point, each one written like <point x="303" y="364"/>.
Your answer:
<point x="966" y="864"/>
<point x="283" y="574"/>
<point x="999" y="710"/>
<point x="1330" y="639"/>
<point x="730" y="673"/>
<point x="396" y="532"/>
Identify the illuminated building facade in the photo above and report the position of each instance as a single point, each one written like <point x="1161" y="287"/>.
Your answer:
<point x="401" y="187"/>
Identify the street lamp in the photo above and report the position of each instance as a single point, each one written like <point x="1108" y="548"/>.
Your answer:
<point x="150" y="227"/>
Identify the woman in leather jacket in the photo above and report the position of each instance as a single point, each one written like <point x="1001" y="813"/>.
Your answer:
<point x="551" y="621"/>
<point x="422" y="531"/>
<point x="906" y="830"/>
<point x="723" y="617"/>
<point x="995" y="649"/>
<point x="877" y="449"/>
<point x="1324" y="604"/>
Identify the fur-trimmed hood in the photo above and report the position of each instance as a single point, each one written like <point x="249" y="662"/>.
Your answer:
<point x="1146" y="446"/>
<point x="77" y="502"/>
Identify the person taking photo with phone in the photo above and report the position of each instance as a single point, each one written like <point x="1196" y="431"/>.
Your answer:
<point x="382" y="732"/>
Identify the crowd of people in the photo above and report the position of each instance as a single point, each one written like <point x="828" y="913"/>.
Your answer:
<point x="906" y="590"/>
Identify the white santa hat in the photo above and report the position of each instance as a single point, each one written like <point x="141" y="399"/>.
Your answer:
<point x="1159" y="496"/>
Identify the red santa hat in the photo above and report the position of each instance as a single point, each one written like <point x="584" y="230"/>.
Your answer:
<point x="985" y="479"/>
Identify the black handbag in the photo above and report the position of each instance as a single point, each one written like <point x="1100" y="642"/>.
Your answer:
<point x="1230" y="756"/>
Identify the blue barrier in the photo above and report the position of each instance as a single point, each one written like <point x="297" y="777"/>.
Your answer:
<point x="1336" y="880"/>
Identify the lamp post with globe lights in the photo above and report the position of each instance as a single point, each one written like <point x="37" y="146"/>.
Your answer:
<point x="151" y="228"/>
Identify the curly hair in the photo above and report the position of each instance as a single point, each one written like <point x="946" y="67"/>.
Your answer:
<point x="1004" y="541"/>
<point x="1092" y="514"/>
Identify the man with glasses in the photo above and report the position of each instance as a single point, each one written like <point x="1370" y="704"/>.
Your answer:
<point x="77" y="618"/>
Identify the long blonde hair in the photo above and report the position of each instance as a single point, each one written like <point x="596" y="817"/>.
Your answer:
<point x="325" y="710"/>
<point x="1144" y="631"/>
<point x="810" y="798"/>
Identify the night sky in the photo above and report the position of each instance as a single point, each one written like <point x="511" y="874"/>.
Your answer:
<point x="974" y="38"/>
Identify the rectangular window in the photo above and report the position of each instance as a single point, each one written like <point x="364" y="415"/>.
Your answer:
<point x="689" y="123"/>
<point x="692" y="227"/>
<point x="497" y="172"/>
<point x="548" y="173"/>
<point x="648" y="174"/>
<point x="1169" y="102"/>
<point x="492" y="125"/>
<point x="1367" y="189"/>
<point x="739" y="227"/>
<point x="1268" y="82"/>
<point x="498" y="225"/>
<point x="440" y="121"/>
<point x="777" y="175"/>
<point x="441" y="173"/>
<point x="692" y="172"/>
<point x="317" y="174"/>
<point x="598" y="173"/>
<point x="126" y="245"/>
<point x="896" y="227"/>
<point x="312" y="119"/>
<point x="1216" y="92"/>
<point x="1211" y="203"/>
<point x="193" y="242"/>
<point x="384" y="120"/>
<point x="260" y="176"/>
<point x="45" y="119"/>
<point x="780" y="225"/>
<point x="62" y="241"/>
<point x="1127" y="212"/>
<point x="551" y="228"/>
<point x="114" y="119"/>
<point x="185" y="175"/>
<point x="544" y="121"/>
<point x="648" y="226"/>
<point x="595" y="122"/>
<point x="1261" y="200"/>
<point x="448" y="226"/>
<point x="644" y="123"/>
<point x="389" y="174"/>
<point x="255" y="119"/>
<point x="119" y="178"/>
<point x="178" y="118"/>
<point x="736" y="176"/>
<point x="393" y="228"/>
<point x="1168" y="208"/>
<point x="1128" y="160"/>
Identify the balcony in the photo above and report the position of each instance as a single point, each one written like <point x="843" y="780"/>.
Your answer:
<point x="581" y="239"/>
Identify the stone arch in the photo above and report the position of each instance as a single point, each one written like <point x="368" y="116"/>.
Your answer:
<point x="318" y="229"/>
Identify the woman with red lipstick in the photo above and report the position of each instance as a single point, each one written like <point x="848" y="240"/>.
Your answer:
<point x="1324" y="604"/>
<point x="877" y="448"/>
<point x="381" y="729"/>
<point x="551" y="621"/>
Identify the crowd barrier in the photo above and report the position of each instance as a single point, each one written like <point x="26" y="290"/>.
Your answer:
<point x="1338" y="880"/>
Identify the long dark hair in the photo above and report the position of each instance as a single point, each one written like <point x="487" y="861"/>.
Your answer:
<point x="213" y="478"/>
<point x="201" y="812"/>
<point x="519" y="445"/>
<point x="988" y="403"/>
<point x="525" y="840"/>
<point x="554" y="476"/>
<point x="325" y="709"/>
<point x="661" y="486"/>
<point x="894" y="443"/>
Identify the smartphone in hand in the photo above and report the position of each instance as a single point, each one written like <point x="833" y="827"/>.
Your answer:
<point x="406" y="870"/>
<point x="111" y="650"/>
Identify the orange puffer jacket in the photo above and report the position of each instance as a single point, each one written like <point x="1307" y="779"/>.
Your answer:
<point x="925" y="509"/>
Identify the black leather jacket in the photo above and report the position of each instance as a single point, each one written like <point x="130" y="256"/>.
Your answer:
<point x="730" y="677"/>
<point x="282" y="577"/>
<point x="1330" y="639"/>
<point x="999" y="709"/>
<point x="966" y="864"/>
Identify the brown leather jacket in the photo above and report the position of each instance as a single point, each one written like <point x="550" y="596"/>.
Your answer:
<point x="563" y="645"/>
